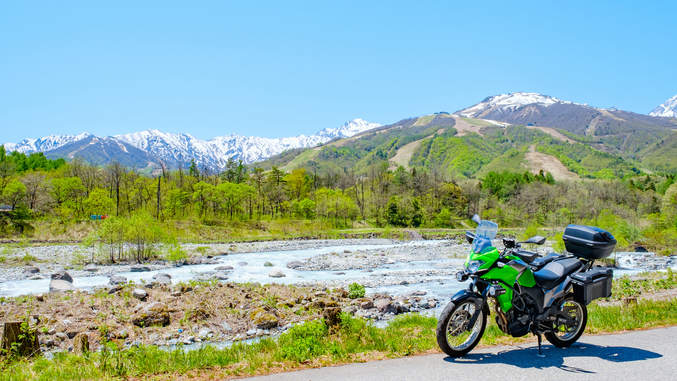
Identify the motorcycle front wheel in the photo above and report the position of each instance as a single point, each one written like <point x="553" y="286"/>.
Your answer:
<point x="454" y="336"/>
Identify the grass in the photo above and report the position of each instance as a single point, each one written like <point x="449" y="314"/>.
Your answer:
<point x="301" y="159"/>
<point x="478" y="122"/>
<point x="307" y="345"/>
<point x="650" y="281"/>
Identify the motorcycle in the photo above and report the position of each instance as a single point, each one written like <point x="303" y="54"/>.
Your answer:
<point x="545" y="295"/>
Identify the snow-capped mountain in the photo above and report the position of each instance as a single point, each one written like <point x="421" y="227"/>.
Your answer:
<point x="177" y="149"/>
<point x="510" y="102"/>
<point x="667" y="109"/>
<point x="45" y="143"/>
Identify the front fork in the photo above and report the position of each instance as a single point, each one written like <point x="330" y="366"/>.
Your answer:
<point x="482" y="302"/>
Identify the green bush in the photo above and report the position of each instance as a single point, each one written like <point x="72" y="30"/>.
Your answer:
<point x="356" y="290"/>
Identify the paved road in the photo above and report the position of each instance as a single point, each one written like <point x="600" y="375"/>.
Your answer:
<point x="640" y="355"/>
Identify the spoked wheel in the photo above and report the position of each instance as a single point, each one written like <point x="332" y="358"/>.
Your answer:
<point x="454" y="336"/>
<point x="563" y="335"/>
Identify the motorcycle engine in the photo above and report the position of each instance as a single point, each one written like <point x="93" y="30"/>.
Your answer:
<point x="517" y="321"/>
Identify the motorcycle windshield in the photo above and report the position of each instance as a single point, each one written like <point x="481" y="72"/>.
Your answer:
<point x="486" y="231"/>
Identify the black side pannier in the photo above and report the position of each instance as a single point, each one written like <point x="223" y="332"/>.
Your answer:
<point x="588" y="242"/>
<point x="592" y="284"/>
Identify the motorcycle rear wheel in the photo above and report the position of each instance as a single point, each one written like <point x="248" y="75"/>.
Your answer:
<point x="565" y="335"/>
<point x="454" y="337"/>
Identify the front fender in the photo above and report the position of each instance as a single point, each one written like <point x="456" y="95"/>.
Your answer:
<point x="476" y="298"/>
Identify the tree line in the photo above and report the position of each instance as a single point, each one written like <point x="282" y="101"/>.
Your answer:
<point x="33" y="187"/>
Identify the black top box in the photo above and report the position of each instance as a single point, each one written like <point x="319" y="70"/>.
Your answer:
<point x="588" y="241"/>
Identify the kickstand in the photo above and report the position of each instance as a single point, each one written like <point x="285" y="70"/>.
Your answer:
<point x="540" y="349"/>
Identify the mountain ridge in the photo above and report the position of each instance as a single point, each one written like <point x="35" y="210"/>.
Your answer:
<point x="175" y="149"/>
<point x="667" y="109"/>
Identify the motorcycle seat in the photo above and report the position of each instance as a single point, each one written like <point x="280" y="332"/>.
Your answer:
<point x="555" y="272"/>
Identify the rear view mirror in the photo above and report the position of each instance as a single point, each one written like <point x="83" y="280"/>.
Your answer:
<point x="469" y="236"/>
<point x="476" y="219"/>
<point x="538" y="240"/>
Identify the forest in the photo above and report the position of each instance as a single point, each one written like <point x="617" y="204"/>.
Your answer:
<point x="39" y="195"/>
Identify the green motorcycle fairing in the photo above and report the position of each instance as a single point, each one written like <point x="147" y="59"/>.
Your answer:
<point x="515" y="271"/>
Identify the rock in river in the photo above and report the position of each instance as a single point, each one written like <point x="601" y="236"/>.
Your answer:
<point x="276" y="274"/>
<point x="117" y="279"/>
<point x="57" y="285"/>
<point x="294" y="264"/>
<point x="139" y="269"/>
<point x="62" y="275"/>
<point x="163" y="279"/>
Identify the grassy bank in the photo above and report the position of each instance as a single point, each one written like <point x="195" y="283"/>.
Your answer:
<point x="307" y="345"/>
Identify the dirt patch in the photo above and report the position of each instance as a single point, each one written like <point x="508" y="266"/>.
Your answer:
<point x="552" y="132"/>
<point x="538" y="161"/>
<point x="464" y="127"/>
<point x="404" y="154"/>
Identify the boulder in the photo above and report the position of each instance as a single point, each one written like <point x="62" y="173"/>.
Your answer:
<point x="162" y="274"/>
<point x="117" y="279"/>
<point x="204" y="333"/>
<point x="276" y="274"/>
<point x="113" y="289"/>
<point x="57" y="285"/>
<point x="31" y="270"/>
<point x="163" y="280"/>
<point x="367" y="305"/>
<point x="294" y="264"/>
<point x="263" y="319"/>
<point x="385" y="306"/>
<point x="139" y="269"/>
<point x="324" y="303"/>
<point x="223" y="268"/>
<point x="220" y="276"/>
<point x="36" y="277"/>
<point x="208" y="261"/>
<point x="139" y="293"/>
<point x="62" y="275"/>
<point x="91" y="268"/>
<point x="152" y="314"/>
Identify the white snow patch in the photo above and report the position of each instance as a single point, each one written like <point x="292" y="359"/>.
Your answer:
<point x="667" y="109"/>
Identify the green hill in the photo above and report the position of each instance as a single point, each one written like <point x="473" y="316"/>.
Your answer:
<point x="468" y="148"/>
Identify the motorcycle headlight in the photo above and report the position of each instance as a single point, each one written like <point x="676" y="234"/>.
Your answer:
<point x="473" y="266"/>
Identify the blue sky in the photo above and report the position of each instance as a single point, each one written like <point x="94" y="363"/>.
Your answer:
<point x="278" y="69"/>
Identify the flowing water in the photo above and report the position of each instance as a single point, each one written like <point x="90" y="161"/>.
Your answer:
<point x="249" y="267"/>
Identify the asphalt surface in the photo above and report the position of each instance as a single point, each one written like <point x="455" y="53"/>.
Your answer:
<point x="639" y="355"/>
